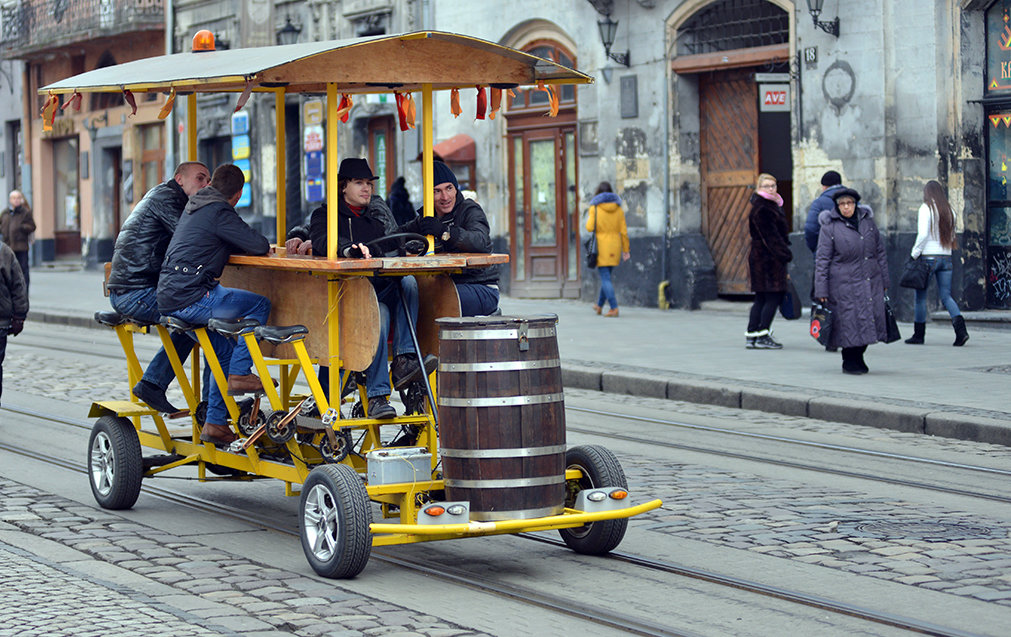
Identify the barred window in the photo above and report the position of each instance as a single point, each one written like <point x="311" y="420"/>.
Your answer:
<point x="733" y="24"/>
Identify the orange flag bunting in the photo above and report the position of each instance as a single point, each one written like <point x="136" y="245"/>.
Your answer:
<point x="552" y="98"/>
<point x="74" y="101"/>
<point x="344" y="108"/>
<point x="412" y="111"/>
<point x="401" y="110"/>
<point x="482" y="102"/>
<point x="49" y="111"/>
<point x="496" y="102"/>
<point x="128" y="96"/>
<point x="454" y="102"/>
<point x="167" y="108"/>
<point x="244" y="97"/>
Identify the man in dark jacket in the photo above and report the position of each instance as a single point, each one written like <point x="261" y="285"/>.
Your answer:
<point x="831" y="182"/>
<point x="362" y="217"/>
<point x="136" y="262"/>
<point x="460" y="225"/>
<point x="208" y="233"/>
<point x="17" y="226"/>
<point x="13" y="301"/>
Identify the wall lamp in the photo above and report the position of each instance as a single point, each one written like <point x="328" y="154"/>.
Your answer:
<point x="608" y="28"/>
<point x="288" y="34"/>
<point x="832" y="28"/>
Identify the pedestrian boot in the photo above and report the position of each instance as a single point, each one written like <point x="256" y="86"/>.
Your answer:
<point x="612" y="312"/>
<point x="597" y="309"/>
<point x="919" y="329"/>
<point x="961" y="334"/>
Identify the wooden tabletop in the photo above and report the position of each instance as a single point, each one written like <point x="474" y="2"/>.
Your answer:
<point x="431" y="263"/>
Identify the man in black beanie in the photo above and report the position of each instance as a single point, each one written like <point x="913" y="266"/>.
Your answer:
<point x="831" y="181"/>
<point x="460" y="225"/>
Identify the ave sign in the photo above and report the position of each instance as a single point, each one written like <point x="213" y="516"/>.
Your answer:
<point x="773" y="97"/>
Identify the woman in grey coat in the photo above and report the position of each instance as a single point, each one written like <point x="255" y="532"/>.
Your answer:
<point x="851" y="276"/>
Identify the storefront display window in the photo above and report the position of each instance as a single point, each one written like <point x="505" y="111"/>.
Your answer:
<point x="998" y="85"/>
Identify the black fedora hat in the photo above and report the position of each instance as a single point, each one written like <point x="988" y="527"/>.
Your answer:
<point x="355" y="168"/>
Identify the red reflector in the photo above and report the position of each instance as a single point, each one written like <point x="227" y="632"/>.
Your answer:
<point x="435" y="511"/>
<point x="619" y="494"/>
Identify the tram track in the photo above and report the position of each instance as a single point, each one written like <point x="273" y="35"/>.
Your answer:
<point x="856" y="451"/>
<point x="592" y="612"/>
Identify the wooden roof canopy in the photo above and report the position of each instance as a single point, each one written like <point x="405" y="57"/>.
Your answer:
<point x="377" y="64"/>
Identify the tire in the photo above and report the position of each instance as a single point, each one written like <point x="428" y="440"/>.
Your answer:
<point x="335" y="515"/>
<point x="599" y="468"/>
<point x="115" y="464"/>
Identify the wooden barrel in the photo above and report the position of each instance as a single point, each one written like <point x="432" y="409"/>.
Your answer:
<point x="502" y="415"/>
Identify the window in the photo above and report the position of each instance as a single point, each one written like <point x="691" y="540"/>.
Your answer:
<point x="152" y="161"/>
<point x="536" y="98"/>
<point x="65" y="172"/>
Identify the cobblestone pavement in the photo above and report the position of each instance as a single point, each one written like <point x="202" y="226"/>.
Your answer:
<point x="194" y="589"/>
<point x="928" y="546"/>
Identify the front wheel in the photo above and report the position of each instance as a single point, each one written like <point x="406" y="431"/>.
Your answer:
<point x="115" y="463"/>
<point x="599" y="468"/>
<point x="336" y="514"/>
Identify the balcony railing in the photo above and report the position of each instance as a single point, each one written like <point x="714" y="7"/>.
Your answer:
<point x="27" y="26"/>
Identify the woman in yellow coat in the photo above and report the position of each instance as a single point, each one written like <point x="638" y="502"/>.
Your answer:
<point x="607" y="220"/>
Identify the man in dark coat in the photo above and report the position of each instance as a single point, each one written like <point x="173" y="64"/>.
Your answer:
<point x="208" y="233"/>
<point x="399" y="202"/>
<point x="136" y="262"/>
<point x="17" y="226"/>
<point x="831" y="182"/>
<point x="13" y="301"/>
<point x="460" y="225"/>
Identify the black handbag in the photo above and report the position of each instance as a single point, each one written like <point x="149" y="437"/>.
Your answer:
<point x="590" y="246"/>
<point x="891" y="325"/>
<point x="915" y="274"/>
<point x="821" y="323"/>
<point x="790" y="306"/>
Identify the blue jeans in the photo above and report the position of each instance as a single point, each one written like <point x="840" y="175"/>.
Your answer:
<point x="941" y="268"/>
<point x="142" y="305"/>
<point x="606" y="287"/>
<point x="377" y="376"/>
<point x="477" y="299"/>
<point x="226" y="303"/>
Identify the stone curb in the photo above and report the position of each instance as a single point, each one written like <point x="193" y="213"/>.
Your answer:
<point x="853" y="410"/>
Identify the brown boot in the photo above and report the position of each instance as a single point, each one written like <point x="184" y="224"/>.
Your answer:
<point x="612" y="312"/>
<point x="239" y="384"/>
<point x="597" y="308"/>
<point x="217" y="434"/>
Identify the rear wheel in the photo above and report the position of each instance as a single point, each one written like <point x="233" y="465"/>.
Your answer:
<point x="600" y="469"/>
<point x="115" y="464"/>
<point x="336" y="514"/>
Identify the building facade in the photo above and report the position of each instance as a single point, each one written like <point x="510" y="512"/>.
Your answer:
<point x="692" y="100"/>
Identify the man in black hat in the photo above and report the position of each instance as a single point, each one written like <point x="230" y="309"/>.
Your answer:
<point x="460" y="225"/>
<point x="363" y="216"/>
<point x="831" y="182"/>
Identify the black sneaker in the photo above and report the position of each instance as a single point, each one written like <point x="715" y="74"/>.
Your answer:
<point x="767" y="342"/>
<point x="154" y="396"/>
<point x="380" y="407"/>
<point x="405" y="369"/>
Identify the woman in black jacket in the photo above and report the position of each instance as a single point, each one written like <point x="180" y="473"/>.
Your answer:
<point x="770" y="252"/>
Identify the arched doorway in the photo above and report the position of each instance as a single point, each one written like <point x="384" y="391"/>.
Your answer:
<point x="542" y="156"/>
<point x="736" y="53"/>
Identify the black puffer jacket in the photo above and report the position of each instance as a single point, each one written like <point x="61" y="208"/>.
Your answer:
<point x="141" y="244"/>
<point x="13" y="295"/>
<point x="374" y="222"/>
<point x="209" y="232"/>
<point x="469" y="232"/>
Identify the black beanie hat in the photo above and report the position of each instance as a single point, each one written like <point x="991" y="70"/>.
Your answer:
<point x="831" y="178"/>
<point x="442" y="174"/>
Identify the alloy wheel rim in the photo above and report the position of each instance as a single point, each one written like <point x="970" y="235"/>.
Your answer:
<point x="102" y="463"/>
<point x="320" y="522"/>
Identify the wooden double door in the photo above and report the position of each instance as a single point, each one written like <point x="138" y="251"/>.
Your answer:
<point x="544" y="220"/>
<point x="728" y="145"/>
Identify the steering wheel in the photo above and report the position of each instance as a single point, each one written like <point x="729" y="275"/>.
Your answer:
<point x="409" y="244"/>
